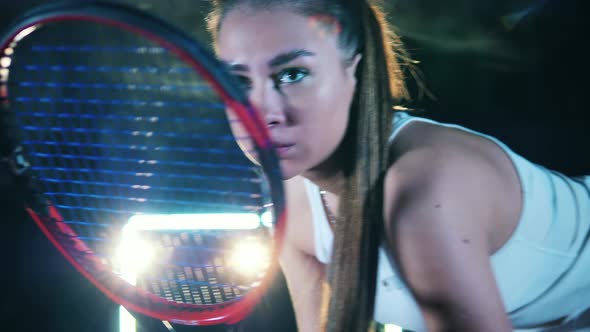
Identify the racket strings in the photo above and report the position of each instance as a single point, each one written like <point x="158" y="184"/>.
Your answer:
<point x="115" y="131"/>
<point x="200" y="276"/>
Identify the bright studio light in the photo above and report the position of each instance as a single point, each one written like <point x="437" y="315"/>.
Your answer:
<point x="392" y="328"/>
<point x="249" y="258"/>
<point x="267" y="219"/>
<point x="126" y="321"/>
<point x="25" y="32"/>
<point x="135" y="255"/>
<point x="196" y="221"/>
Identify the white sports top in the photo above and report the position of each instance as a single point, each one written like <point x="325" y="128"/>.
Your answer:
<point x="543" y="270"/>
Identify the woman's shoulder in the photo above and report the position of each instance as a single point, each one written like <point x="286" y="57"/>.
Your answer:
<point x="443" y="140"/>
<point x="447" y="155"/>
<point x="427" y="151"/>
<point x="451" y="177"/>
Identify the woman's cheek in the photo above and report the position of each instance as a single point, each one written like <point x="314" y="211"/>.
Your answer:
<point x="241" y="136"/>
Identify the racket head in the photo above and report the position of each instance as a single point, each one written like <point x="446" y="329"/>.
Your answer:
<point x="121" y="157"/>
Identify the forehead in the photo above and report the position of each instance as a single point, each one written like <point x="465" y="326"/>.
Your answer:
<point x="247" y="34"/>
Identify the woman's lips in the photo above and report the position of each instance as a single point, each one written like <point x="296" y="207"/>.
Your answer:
<point x="283" y="150"/>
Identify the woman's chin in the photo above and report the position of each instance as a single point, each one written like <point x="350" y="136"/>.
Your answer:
<point x="289" y="170"/>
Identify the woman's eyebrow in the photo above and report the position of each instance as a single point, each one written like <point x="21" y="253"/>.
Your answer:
<point x="278" y="60"/>
<point x="289" y="56"/>
<point x="233" y="66"/>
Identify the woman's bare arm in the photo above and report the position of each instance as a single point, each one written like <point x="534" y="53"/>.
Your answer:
<point x="438" y="205"/>
<point x="303" y="272"/>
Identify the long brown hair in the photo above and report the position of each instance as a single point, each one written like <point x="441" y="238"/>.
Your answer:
<point x="350" y="297"/>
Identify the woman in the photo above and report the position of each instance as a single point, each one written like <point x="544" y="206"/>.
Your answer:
<point x="433" y="224"/>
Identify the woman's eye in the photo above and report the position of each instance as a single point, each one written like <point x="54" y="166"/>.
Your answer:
<point x="290" y="75"/>
<point x="244" y="82"/>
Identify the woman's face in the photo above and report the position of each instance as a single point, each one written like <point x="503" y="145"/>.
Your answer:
<point x="295" y="76"/>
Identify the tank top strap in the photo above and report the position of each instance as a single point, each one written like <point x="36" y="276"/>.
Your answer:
<point x="322" y="232"/>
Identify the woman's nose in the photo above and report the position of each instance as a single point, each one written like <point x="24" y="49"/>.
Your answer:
<point x="269" y="102"/>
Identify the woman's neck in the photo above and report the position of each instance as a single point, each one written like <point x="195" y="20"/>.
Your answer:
<point x="330" y="179"/>
<point x="333" y="184"/>
<point x="330" y="175"/>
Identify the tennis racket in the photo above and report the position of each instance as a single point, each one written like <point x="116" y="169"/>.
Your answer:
<point x="146" y="166"/>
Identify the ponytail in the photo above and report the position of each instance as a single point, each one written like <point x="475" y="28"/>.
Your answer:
<point x="353" y="270"/>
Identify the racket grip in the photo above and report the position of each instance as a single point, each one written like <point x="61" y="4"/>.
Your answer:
<point x="16" y="180"/>
<point x="11" y="153"/>
<point x="10" y="135"/>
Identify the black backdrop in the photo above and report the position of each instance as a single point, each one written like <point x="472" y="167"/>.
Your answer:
<point x="517" y="70"/>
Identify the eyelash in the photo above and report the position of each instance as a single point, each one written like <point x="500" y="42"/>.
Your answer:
<point x="302" y="73"/>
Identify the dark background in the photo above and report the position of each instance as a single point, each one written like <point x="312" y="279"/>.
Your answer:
<point x="517" y="70"/>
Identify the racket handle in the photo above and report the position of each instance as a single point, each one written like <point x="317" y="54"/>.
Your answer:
<point x="15" y="172"/>
<point x="10" y="134"/>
